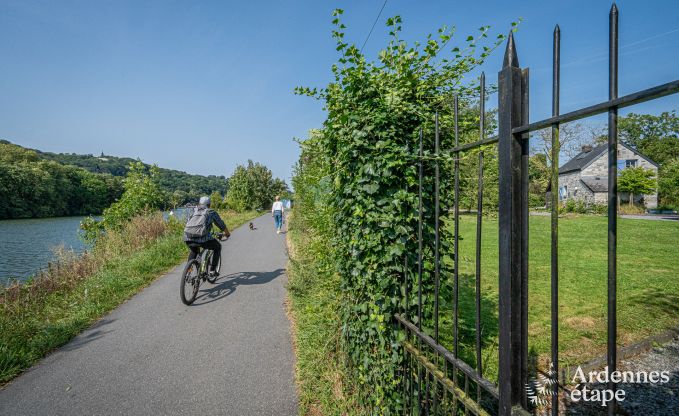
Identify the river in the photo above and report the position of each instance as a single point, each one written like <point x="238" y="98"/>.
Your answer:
<point x="26" y="246"/>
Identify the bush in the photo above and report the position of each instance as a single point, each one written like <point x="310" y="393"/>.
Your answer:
<point x="142" y="195"/>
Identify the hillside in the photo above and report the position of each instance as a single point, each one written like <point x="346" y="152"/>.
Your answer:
<point x="170" y="180"/>
<point x="43" y="184"/>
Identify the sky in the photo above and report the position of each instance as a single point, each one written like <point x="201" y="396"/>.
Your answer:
<point x="202" y="86"/>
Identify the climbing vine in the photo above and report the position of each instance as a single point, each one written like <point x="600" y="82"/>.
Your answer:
<point x="369" y="146"/>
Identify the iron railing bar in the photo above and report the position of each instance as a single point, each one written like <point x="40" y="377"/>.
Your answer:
<point x="525" y="159"/>
<point x="456" y="262"/>
<point x="612" y="198"/>
<point x="419" y="265"/>
<point x="437" y="259"/>
<point x="621" y="102"/>
<point x="556" y="79"/>
<point x="456" y="362"/>
<point x="419" y="240"/>
<point x="461" y="148"/>
<point x="406" y="293"/>
<point x="479" y="219"/>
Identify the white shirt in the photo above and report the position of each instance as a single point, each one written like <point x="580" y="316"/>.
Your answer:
<point x="277" y="206"/>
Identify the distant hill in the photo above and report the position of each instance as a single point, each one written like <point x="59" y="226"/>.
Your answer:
<point x="34" y="183"/>
<point x="171" y="180"/>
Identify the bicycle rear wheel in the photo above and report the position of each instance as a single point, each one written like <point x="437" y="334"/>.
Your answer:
<point x="188" y="288"/>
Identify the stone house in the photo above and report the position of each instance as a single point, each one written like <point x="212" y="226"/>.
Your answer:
<point x="585" y="177"/>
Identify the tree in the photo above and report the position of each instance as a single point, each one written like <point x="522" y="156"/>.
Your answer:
<point x="572" y="136"/>
<point x="217" y="200"/>
<point x="636" y="181"/>
<point x="655" y="136"/>
<point x="538" y="179"/>
<point x="668" y="183"/>
<point x="253" y="187"/>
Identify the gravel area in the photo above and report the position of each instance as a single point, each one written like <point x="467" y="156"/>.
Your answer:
<point x="645" y="399"/>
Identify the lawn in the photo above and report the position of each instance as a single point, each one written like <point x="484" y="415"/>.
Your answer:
<point x="648" y="286"/>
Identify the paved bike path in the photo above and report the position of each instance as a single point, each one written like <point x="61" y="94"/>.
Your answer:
<point x="229" y="353"/>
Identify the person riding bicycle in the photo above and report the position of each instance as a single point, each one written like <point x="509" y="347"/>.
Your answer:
<point x="198" y="232"/>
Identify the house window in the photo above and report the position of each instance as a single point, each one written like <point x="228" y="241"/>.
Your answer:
<point x="630" y="163"/>
<point x="563" y="192"/>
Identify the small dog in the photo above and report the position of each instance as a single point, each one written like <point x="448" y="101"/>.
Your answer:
<point x="252" y="226"/>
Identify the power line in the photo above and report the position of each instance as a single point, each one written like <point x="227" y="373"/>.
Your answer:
<point x="373" y="27"/>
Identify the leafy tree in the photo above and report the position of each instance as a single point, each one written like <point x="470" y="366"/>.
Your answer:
<point x="655" y="136"/>
<point x="668" y="183"/>
<point x="217" y="200"/>
<point x="636" y="181"/>
<point x="538" y="179"/>
<point x="253" y="187"/>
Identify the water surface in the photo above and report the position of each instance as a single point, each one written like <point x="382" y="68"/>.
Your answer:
<point x="28" y="245"/>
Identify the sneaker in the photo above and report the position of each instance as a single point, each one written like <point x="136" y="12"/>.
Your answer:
<point x="214" y="274"/>
<point x="278" y="231"/>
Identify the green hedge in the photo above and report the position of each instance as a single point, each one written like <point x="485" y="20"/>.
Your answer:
<point x="358" y="176"/>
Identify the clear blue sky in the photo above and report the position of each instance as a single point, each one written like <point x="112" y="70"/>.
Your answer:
<point x="201" y="86"/>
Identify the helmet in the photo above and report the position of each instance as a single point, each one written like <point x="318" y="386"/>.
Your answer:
<point x="204" y="200"/>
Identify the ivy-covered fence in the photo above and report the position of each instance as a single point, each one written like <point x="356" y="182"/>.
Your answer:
<point x="368" y="148"/>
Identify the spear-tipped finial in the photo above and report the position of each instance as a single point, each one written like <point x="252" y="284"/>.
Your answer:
<point x="510" y="53"/>
<point x="614" y="9"/>
<point x="557" y="29"/>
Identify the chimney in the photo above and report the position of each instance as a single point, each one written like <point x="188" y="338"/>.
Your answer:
<point x="586" y="148"/>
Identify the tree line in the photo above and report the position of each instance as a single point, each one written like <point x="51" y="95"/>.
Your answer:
<point x="32" y="187"/>
<point x="184" y="187"/>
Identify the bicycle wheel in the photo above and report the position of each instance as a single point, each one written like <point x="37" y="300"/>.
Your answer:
<point x="190" y="282"/>
<point x="208" y="262"/>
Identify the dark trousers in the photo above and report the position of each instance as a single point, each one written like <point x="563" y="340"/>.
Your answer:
<point x="213" y="245"/>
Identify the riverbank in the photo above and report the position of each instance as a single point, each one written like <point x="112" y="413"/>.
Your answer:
<point x="45" y="314"/>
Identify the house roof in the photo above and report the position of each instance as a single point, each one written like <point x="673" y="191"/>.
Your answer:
<point x="583" y="159"/>
<point x="596" y="183"/>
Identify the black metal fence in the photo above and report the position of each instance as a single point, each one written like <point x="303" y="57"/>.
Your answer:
<point x="436" y="380"/>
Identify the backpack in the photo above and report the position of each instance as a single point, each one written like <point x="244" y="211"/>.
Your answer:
<point x="197" y="226"/>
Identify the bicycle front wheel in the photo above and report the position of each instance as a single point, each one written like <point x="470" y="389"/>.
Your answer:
<point x="189" y="282"/>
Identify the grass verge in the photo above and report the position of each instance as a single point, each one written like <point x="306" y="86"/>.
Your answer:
<point x="47" y="313"/>
<point x="648" y="288"/>
<point x="314" y="309"/>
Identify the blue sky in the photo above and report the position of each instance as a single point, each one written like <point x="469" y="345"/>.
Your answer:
<point x="202" y="86"/>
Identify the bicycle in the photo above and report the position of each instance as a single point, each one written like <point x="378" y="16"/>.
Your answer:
<point x="196" y="271"/>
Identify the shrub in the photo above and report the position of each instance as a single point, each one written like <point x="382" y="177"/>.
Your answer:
<point x="142" y="194"/>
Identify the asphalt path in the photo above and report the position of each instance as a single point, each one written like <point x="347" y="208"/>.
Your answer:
<point x="230" y="353"/>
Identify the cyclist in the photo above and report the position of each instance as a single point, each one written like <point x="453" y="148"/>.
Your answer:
<point x="198" y="232"/>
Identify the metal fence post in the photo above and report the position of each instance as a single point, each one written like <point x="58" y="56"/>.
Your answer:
<point x="513" y="348"/>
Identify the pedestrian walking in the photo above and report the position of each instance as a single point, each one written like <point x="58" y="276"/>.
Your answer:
<point x="277" y="214"/>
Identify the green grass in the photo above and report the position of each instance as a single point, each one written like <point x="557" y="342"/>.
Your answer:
<point x="314" y="309"/>
<point x="648" y="286"/>
<point x="30" y="330"/>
